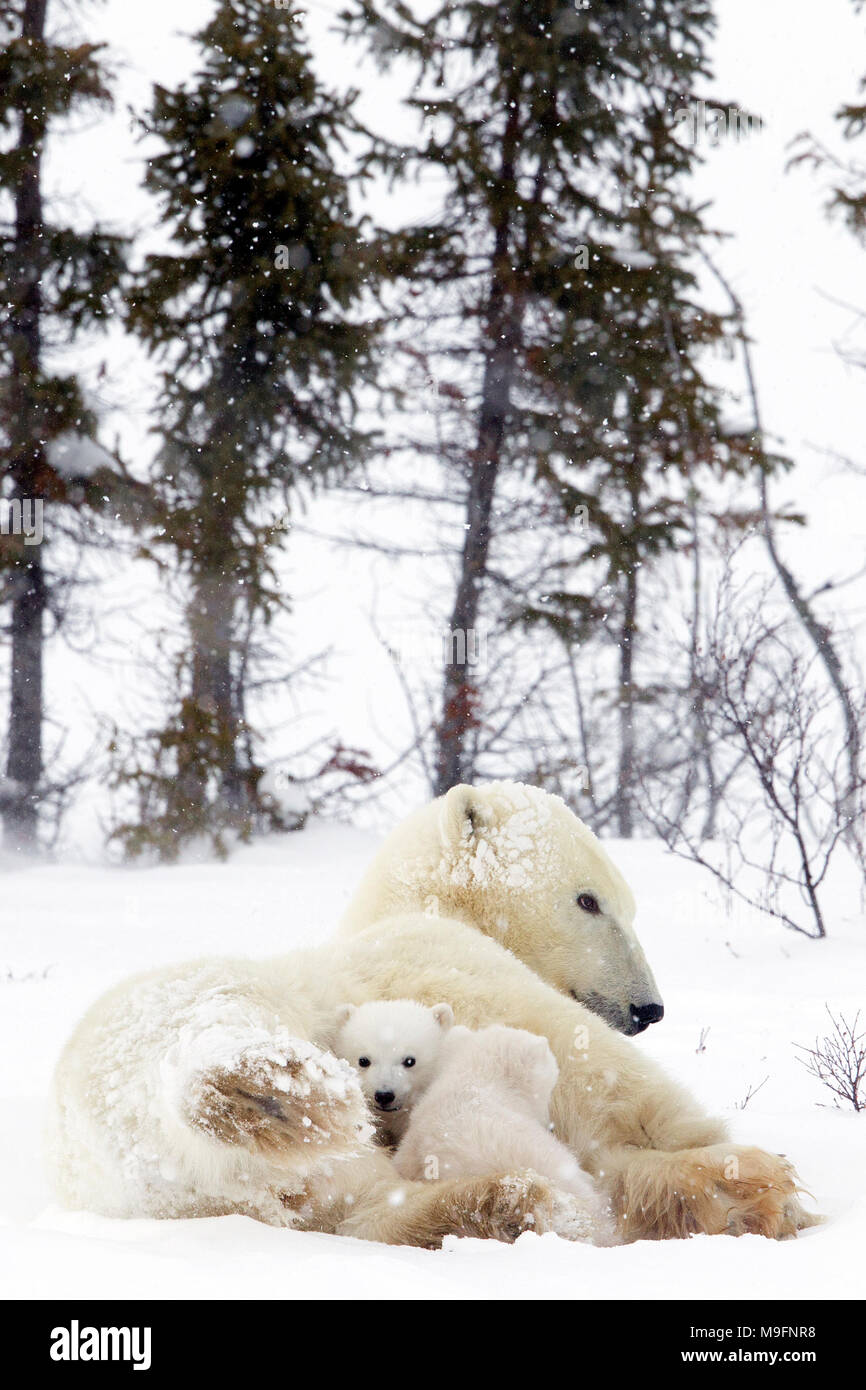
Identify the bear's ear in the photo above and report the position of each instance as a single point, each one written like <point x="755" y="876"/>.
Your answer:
<point x="344" y="1013"/>
<point x="444" y="1016"/>
<point x="461" y="814"/>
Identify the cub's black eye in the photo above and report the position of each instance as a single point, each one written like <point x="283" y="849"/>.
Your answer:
<point x="363" y="1061"/>
<point x="589" y="903"/>
<point x="408" y="1061"/>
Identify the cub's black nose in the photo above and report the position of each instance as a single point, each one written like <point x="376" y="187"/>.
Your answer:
<point x="645" y="1014"/>
<point x="384" y="1098"/>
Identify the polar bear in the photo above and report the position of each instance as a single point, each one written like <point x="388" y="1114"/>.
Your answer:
<point x="211" y="1087"/>
<point x="486" y="1108"/>
<point x="394" y="1046"/>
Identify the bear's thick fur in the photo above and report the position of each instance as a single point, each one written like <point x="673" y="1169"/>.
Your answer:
<point x="209" y="1088"/>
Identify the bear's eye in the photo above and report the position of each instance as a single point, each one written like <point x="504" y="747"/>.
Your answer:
<point x="589" y="903"/>
<point x="408" y="1061"/>
<point x="363" y="1061"/>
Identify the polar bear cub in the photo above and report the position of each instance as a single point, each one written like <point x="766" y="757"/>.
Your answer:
<point x="487" y="1110"/>
<point x="462" y="1104"/>
<point x="394" y="1046"/>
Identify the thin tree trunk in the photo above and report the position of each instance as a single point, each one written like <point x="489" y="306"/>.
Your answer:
<point x="213" y="611"/>
<point x="28" y="586"/>
<point x="503" y="326"/>
<point x="702" y="742"/>
<point x="822" y="640"/>
<point x="212" y="628"/>
<point x="589" y="775"/>
<point x="626" y="774"/>
<point x="818" y="632"/>
<point x="701" y="734"/>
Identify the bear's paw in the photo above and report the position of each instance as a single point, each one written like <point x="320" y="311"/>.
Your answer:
<point x="282" y="1100"/>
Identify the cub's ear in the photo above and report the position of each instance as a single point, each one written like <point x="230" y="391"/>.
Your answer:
<point x="444" y="1016"/>
<point x="344" y="1013"/>
<point x="461" y="813"/>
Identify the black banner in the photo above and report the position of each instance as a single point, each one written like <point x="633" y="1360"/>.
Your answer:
<point x="153" y="1339"/>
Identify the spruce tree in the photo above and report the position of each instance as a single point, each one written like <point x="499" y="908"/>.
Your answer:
<point x="55" y="280"/>
<point x="545" y="120"/>
<point x="657" y="439"/>
<point x="258" y="311"/>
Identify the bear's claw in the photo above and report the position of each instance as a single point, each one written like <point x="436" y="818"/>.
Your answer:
<point x="719" y="1190"/>
<point x="499" y="1208"/>
<point x="282" y="1102"/>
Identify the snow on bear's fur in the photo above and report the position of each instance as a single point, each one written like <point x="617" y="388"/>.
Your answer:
<point x="486" y="1109"/>
<point x="394" y="1046"/>
<point x="513" y="861"/>
<point x="212" y="1086"/>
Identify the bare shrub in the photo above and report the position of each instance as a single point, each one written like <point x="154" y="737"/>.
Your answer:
<point x="838" y="1060"/>
<point x="769" y="718"/>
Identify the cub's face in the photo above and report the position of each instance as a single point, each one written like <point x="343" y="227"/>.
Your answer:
<point x="394" y="1047"/>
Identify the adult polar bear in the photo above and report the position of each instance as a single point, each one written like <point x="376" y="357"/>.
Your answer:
<point x="208" y="1088"/>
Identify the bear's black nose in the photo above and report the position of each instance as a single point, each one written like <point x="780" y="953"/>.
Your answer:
<point x="384" y="1098"/>
<point x="645" y="1014"/>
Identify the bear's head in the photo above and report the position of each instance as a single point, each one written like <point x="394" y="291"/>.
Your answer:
<point x="515" y="862"/>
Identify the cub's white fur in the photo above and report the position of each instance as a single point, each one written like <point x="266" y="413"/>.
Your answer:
<point x="394" y="1046"/>
<point x="487" y="1110"/>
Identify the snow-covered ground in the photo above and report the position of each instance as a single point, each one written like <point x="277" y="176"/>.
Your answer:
<point x="751" y="988"/>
